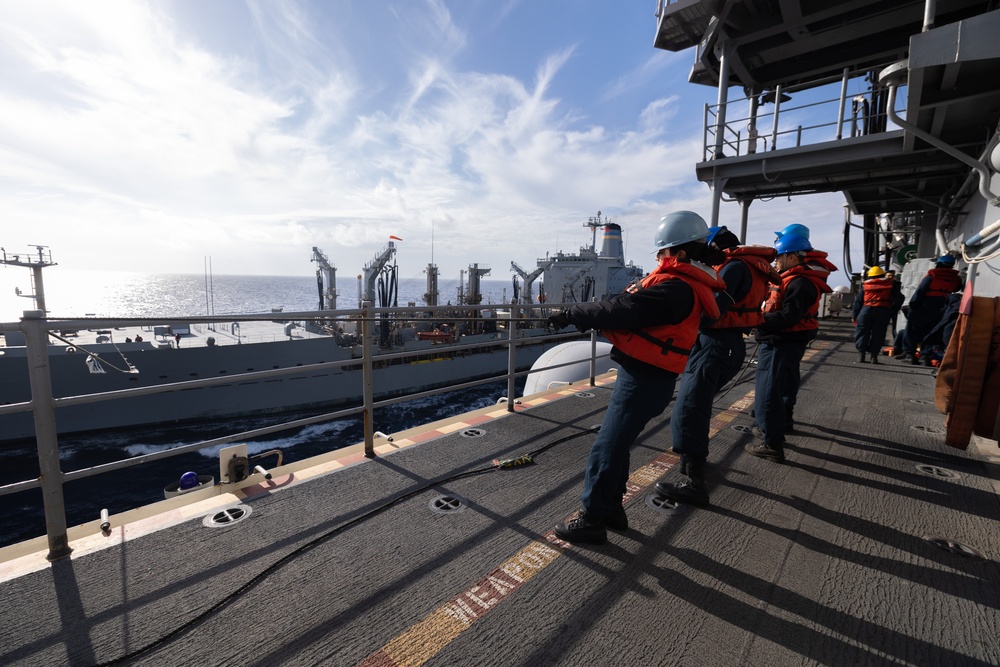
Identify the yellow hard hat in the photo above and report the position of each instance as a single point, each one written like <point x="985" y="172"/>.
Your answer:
<point x="876" y="272"/>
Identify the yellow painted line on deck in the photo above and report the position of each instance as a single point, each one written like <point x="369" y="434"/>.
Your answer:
<point x="425" y="639"/>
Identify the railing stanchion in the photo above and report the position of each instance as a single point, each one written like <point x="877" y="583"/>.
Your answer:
<point x="51" y="478"/>
<point x="511" y="357"/>
<point x="367" y="374"/>
<point x="774" y="124"/>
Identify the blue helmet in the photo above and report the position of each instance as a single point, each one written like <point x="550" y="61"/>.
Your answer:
<point x="794" y="229"/>
<point x="792" y="243"/>
<point x="947" y="260"/>
<point x="715" y="231"/>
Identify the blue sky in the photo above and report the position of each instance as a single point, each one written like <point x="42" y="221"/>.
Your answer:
<point x="147" y="136"/>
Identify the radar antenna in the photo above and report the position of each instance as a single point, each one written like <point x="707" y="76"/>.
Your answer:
<point x="36" y="264"/>
<point x="595" y="223"/>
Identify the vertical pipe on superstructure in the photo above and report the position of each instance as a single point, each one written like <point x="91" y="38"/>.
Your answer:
<point x="752" y="128"/>
<point x="843" y="104"/>
<point x="929" y="13"/>
<point x="744" y="217"/>
<point x="46" y="440"/>
<point x="723" y="99"/>
<point x="720" y="124"/>
<point x="774" y="124"/>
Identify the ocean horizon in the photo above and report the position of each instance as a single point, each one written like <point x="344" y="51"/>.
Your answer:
<point x="103" y="293"/>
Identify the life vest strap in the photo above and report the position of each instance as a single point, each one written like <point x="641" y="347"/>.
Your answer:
<point x="666" y="346"/>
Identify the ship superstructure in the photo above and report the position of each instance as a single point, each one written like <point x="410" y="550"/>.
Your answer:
<point x="591" y="273"/>
<point x="914" y="154"/>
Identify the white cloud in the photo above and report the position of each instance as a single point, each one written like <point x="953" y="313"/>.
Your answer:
<point x="121" y="131"/>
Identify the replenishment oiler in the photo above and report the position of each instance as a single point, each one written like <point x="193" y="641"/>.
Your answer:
<point x="315" y="359"/>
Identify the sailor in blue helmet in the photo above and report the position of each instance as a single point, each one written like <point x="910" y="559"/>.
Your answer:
<point x="927" y="305"/>
<point x="652" y="326"/>
<point x="790" y="323"/>
<point x="716" y="358"/>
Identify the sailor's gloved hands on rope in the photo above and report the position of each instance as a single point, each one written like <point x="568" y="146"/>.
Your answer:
<point x="559" y="321"/>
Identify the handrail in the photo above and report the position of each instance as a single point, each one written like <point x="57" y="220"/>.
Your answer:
<point x="819" y="119"/>
<point x="44" y="406"/>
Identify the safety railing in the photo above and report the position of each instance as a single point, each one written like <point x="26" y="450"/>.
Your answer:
<point x="44" y="405"/>
<point x="773" y="122"/>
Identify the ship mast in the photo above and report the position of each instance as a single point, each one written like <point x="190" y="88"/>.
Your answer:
<point x="594" y="223"/>
<point x="36" y="265"/>
<point x="326" y="280"/>
<point x="474" y="295"/>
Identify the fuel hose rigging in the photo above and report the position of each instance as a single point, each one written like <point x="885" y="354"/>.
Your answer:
<point x="388" y="294"/>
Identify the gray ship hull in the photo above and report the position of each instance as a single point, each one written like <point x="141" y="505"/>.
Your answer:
<point x="435" y="366"/>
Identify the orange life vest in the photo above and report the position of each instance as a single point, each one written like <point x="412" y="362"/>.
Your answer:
<point x="878" y="293"/>
<point x="746" y="313"/>
<point x="668" y="346"/>
<point x="817" y="278"/>
<point x="944" y="281"/>
<point x="817" y="259"/>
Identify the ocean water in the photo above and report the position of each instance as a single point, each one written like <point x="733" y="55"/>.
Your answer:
<point x="116" y="294"/>
<point x="71" y="293"/>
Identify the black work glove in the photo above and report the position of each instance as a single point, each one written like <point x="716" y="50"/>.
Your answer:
<point x="559" y="320"/>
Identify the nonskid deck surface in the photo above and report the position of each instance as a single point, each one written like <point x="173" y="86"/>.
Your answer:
<point x="818" y="561"/>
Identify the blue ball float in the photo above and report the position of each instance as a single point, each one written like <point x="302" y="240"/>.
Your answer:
<point x="189" y="480"/>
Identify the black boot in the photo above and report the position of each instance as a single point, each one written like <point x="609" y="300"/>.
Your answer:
<point x="874" y="357"/>
<point x="775" y="453"/>
<point x="691" y="489"/>
<point x="582" y="528"/>
<point x="861" y="359"/>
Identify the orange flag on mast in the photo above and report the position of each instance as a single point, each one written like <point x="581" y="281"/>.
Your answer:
<point x="394" y="238"/>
